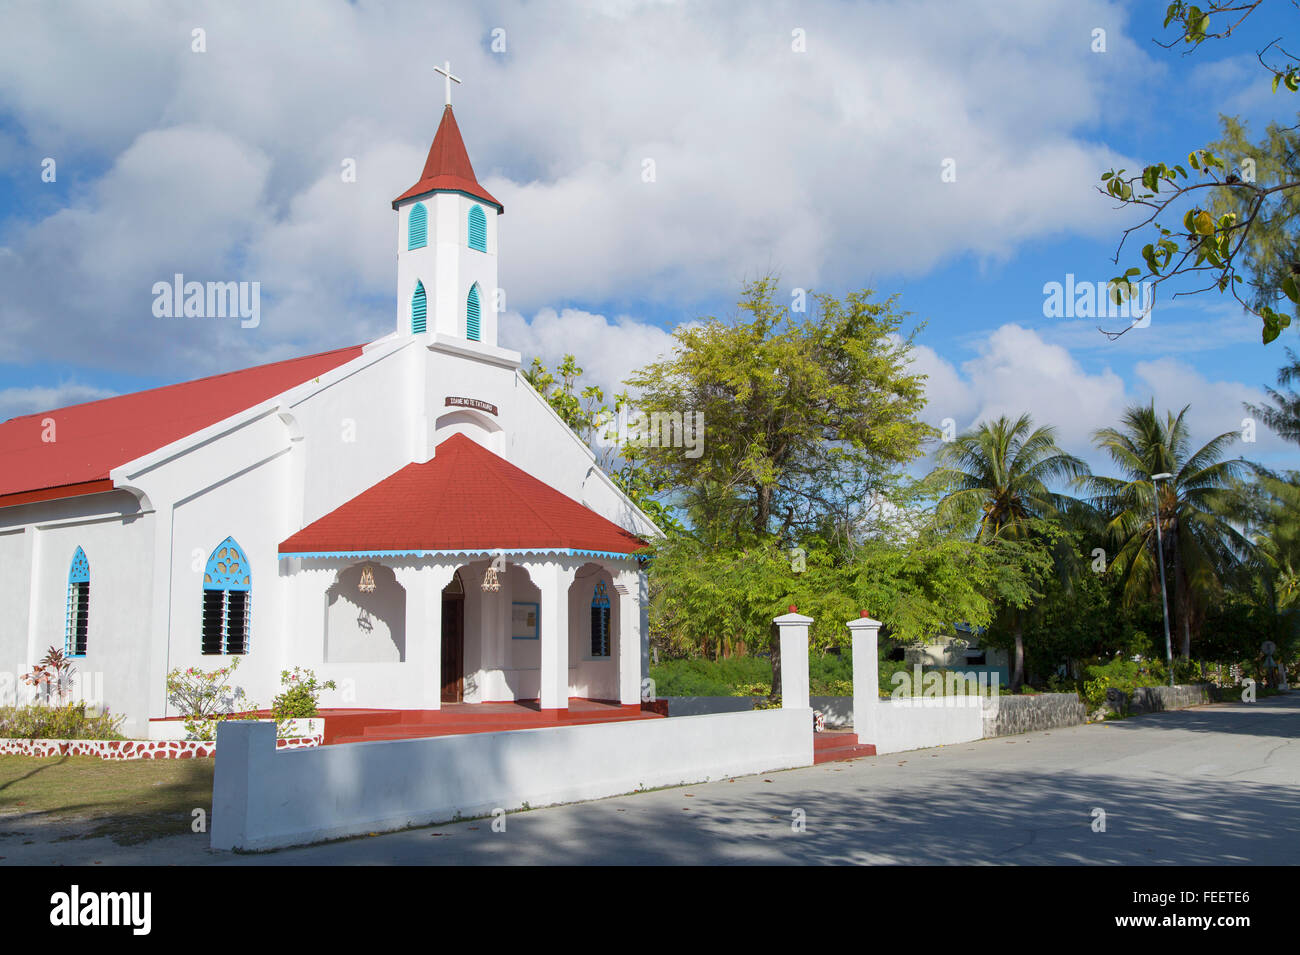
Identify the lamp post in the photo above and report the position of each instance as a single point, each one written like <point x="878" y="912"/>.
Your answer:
<point x="1160" y="556"/>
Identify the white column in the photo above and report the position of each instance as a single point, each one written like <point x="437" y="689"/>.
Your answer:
<point x="793" y="630"/>
<point x="424" y="586"/>
<point x="553" y="578"/>
<point x="865" y="633"/>
<point x="627" y="585"/>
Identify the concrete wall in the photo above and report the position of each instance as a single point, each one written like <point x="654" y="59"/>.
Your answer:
<point x="918" y="723"/>
<point x="1039" y="711"/>
<point x="265" y="798"/>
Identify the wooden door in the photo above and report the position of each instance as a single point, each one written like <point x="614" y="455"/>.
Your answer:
<point x="453" y="649"/>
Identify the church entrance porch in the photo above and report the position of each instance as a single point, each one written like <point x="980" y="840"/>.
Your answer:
<point x="452" y="719"/>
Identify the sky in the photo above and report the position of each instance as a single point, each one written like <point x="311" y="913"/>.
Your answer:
<point x="944" y="153"/>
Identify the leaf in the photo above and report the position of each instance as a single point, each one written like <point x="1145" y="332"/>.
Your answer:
<point x="1289" y="289"/>
<point x="1204" y="223"/>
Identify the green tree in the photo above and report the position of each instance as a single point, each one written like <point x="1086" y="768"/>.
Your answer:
<point x="1283" y="415"/>
<point x="997" y="483"/>
<point x="1195" y="511"/>
<point x="805" y="418"/>
<point x="1226" y="224"/>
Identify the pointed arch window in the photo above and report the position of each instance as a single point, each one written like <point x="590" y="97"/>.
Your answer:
<point x="78" y="605"/>
<point x="472" y="310"/>
<point x="477" y="229"/>
<point x="419" y="308"/>
<point x="227" y="600"/>
<point x="600" y="621"/>
<point x="417" y="227"/>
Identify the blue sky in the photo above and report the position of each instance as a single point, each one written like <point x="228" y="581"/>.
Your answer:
<point x="822" y="164"/>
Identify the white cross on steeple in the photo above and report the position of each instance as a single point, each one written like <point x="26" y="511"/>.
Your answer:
<point x="445" y="70"/>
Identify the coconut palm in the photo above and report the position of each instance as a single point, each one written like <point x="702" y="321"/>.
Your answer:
<point x="997" y="482"/>
<point x="1283" y="415"/>
<point x="1195" y="510"/>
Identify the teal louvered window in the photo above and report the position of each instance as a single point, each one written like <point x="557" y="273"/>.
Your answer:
<point x="417" y="227"/>
<point x="600" y="621"/>
<point x="477" y="229"/>
<point x="78" y="605"/>
<point x="419" y="308"/>
<point x="472" y="315"/>
<point x="227" y="600"/>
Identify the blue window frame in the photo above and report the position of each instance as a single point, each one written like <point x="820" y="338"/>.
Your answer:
<point x="472" y="327"/>
<point x="417" y="227"/>
<point x="78" y="605"/>
<point x="600" y="621"/>
<point x="419" y="308"/>
<point x="227" y="600"/>
<point x="477" y="229"/>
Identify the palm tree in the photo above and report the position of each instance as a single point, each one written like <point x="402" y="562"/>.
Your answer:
<point x="1195" y="508"/>
<point x="1283" y="416"/>
<point x="998" y="482"/>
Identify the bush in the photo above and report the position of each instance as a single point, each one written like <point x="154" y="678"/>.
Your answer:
<point x="1119" y="674"/>
<point x="738" y="676"/>
<point x="206" y="698"/>
<point x="301" y="694"/>
<point x="57" y="722"/>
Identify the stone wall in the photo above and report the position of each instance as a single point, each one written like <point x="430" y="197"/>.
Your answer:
<point x="1008" y="715"/>
<point x="1153" y="699"/>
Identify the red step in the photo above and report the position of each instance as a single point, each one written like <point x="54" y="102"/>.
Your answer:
<point x="835" y="745"/>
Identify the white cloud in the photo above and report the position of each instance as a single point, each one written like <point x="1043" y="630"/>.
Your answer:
<point x="817" y="164"/>
<point x="1016" y="371"/>
<point x="15" y="402"/>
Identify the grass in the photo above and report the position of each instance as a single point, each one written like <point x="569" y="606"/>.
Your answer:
<point x="129" y="801"/>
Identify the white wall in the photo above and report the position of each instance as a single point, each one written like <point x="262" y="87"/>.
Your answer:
<point x="263" y="798"/>
<point x="945" y="720"/>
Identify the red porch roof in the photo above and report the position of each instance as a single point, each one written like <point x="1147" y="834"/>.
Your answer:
<point x="464" y="499"/>
<point x="93" y="438"/>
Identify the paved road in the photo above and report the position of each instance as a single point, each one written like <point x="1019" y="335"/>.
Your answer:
<point x="1215" y="784"/>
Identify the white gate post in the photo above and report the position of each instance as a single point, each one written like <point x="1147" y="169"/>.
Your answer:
<point x="865" y="634"/>
<point x="793" y="630"/>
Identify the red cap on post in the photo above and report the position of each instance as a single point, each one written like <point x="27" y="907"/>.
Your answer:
<point x="793" y="608"/>
<point x="863" y="613"/>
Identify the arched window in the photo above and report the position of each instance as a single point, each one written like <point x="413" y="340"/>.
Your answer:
<point x="419" y="307"/>
<point x="472" y="315"/>
<point x="227" y="600"/>
<point x="78" y="605"/>
<point x="600" y="621"/>
<point x="417" y="227"/>
<point x="477" y="229"/>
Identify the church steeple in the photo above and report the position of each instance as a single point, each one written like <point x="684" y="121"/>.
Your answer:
<point x="447" y="243"/>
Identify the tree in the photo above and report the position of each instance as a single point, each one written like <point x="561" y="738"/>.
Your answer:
<point x="806" y="419"/>
<point x="1195" y="511"/>
<point x="1283" y="415"/>
<point x="996" y="482"/>
<point x="1221" y="223"/>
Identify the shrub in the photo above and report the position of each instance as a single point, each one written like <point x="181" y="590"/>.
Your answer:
<point x="300" y="697"/>
<point x="57" y="722"/>
<point x="206" y="698"/>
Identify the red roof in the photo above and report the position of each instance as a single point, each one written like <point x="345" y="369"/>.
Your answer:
<point x="93" y="438"/>
<point x="447" y="169"/>
<point x="464" y="499"/>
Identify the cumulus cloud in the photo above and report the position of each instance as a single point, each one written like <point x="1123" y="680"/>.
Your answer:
<point x="817" y="163"/>
<point x="15" y="402"/>
<point x="1015" y="370"/>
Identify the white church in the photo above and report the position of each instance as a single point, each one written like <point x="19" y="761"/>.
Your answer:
<point x="407" y="517"/>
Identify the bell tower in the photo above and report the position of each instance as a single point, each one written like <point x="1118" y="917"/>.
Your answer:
<point x="447" y="243"/>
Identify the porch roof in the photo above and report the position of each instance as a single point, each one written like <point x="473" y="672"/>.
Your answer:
<point x="464" y="500"/>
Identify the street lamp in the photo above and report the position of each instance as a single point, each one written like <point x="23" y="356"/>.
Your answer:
<point x="1160" y="556"/>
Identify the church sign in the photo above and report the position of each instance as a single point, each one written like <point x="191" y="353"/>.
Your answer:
<point x="454" y="402"/>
